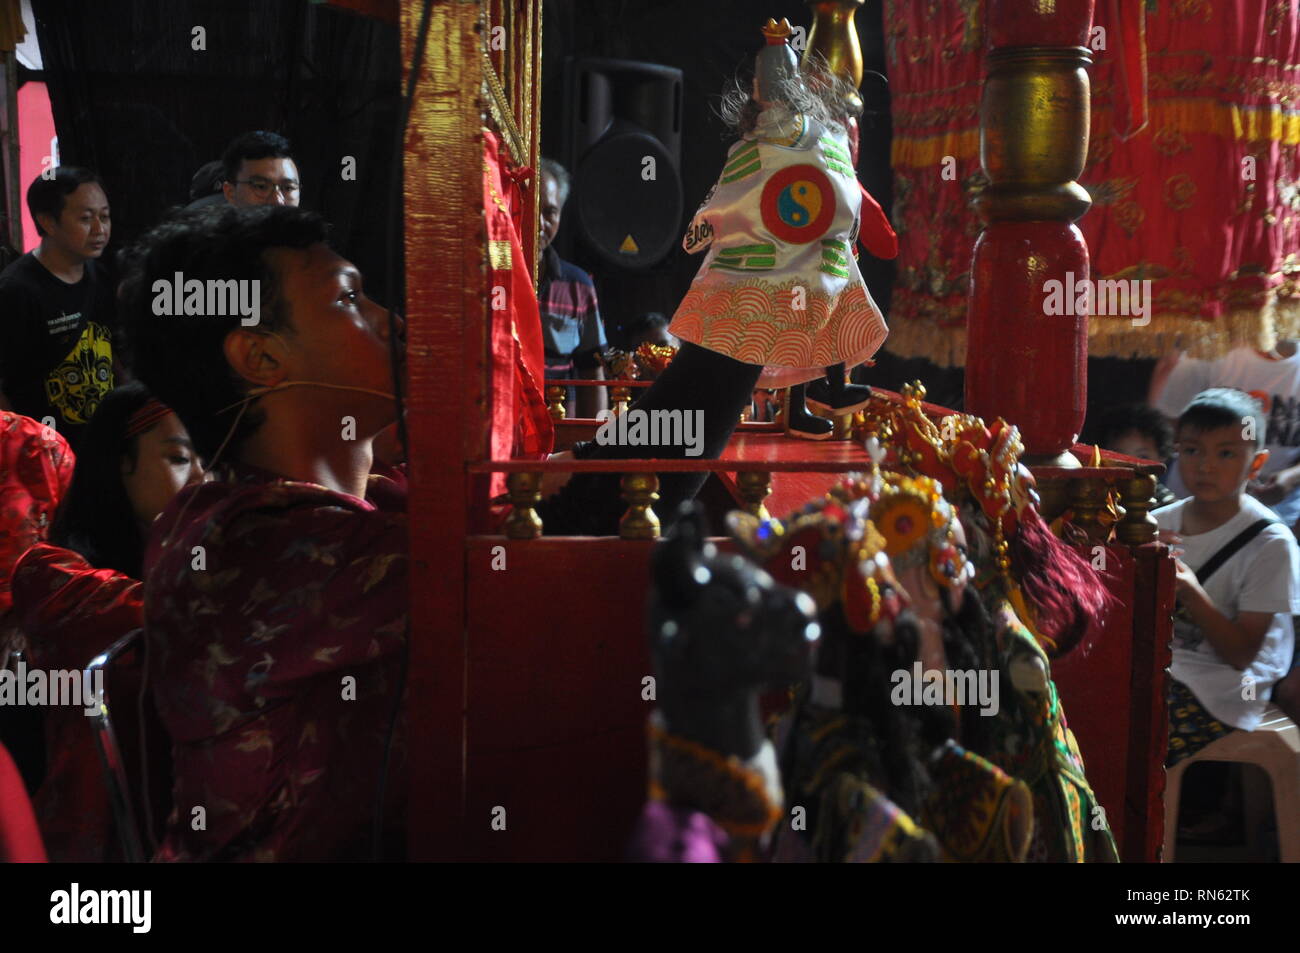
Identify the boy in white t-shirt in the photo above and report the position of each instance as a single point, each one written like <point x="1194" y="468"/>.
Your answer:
<point x="1233" y="636"/>
<point x="1274" y="379"/>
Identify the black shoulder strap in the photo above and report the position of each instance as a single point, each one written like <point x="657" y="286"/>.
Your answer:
<point x="1231" y="548"/>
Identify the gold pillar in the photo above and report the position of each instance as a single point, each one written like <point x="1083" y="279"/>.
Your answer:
<point x="555" y="397"/>
<point x="834" y="37"/>
<point x="1023" y="362"/>
<point x="620" y="399"/>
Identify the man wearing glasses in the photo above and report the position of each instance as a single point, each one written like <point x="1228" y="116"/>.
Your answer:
<point x="259" y="170"/>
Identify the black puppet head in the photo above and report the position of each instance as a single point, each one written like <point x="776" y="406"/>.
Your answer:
<point x="718" y="624"/>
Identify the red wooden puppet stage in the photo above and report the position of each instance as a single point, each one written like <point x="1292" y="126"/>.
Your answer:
<point x="526" y="711"/>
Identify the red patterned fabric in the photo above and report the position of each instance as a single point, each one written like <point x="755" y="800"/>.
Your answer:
<point x="35" y="470"/>
<point x="1172" y="203"/>
<point x="20" y="840"/>
<point x="70" y="612"/>
<point x="521" y="425"/>
<point x="275" y="664"/>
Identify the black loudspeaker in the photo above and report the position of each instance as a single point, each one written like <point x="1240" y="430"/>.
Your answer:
<point x="623" y="145"/>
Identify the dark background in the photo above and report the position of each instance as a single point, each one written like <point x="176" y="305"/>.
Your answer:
<point x="135" y="102"/>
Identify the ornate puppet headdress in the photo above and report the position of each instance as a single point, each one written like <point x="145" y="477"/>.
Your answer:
<point x="962" y="454"/>
<point x="915" y="520"/>
<point x="777" y="32"/>
<point x="832" y="551"/>
<point x="1055" y="590"/>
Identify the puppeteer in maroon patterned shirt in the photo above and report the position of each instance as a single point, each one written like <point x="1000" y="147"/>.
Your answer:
<point x="275" y="653"/>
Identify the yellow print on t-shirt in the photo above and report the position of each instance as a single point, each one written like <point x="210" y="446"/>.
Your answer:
<point x="77" y="385"/>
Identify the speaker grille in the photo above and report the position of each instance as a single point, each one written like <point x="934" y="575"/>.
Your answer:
<point x="630" y="219"/>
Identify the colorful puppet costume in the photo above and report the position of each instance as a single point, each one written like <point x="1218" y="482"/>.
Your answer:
<point x="780" y="285"/>
<point x="703" y="807"/>
<point x="1032" y="741"/>
<point x="1041" y="594"/>
<point x="846" y="819"/>
<point x="859" y="768"/>
<point x="977" y="812"/>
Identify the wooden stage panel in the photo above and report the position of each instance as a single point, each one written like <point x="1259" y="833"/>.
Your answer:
<point x="555" y="730"/>
<point x="1113" y="688"/>
<point x="1153" y="632"/>
<point x="1091" y="681"/>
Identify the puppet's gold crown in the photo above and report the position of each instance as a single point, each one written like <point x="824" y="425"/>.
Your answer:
<point x="775" y="32"/>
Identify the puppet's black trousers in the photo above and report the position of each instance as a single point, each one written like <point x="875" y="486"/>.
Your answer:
<point x="698" y="379"/>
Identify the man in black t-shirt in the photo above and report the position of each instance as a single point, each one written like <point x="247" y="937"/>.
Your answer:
<point x="57" y="307"/>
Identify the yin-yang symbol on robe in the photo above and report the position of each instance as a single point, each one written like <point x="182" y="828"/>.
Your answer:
<point x="798" y="204"/>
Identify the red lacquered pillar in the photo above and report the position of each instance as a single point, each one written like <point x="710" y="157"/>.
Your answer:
<point x="1022" y="363"/>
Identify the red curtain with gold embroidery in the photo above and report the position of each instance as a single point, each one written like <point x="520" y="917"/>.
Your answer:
<point x="1203" y="199"/>
<point x="521" y="426"/>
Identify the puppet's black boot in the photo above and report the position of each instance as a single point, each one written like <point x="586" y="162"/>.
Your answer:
<point x="833" y="394"/>
<point x="800" y="423"/>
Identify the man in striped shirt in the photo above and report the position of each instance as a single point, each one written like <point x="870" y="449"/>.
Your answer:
<point x="572" y="332"/>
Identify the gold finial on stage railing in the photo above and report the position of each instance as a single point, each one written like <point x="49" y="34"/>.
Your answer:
<point x="1088" y="498"/>
<point x="1137" y="496"/>
<point x="843" y="423"/>
<point x="640" y="490"/>
<point x="754" y="486"/>
<point x="555" y="401"/>
<point x="621" y="398"/>
<point x="525" y="493"/>
<point x="843" y="427"/>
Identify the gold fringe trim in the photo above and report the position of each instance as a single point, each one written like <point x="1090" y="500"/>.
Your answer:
<point x="1229" y="121"/>
<point x="1118" y="337"/>
<point x="945" y="347"/>
<point x="1241" y="327"/>
<point x="917" y="152"/>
